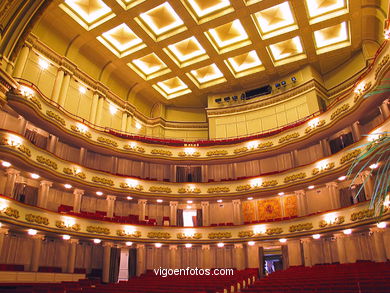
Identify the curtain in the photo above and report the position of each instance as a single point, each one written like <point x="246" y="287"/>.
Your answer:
<point x="16" y="250"/>
<point x="285" y="257"/>
<point x="199" y="217"/>
<point x="179" y="218"/>
<point x="67" y="152"/>
<point x="345" y="197"/>
<point x="261" y="262"/>
<point x="26" y="194"/>
<point x="37" y="139"/>
<point x="115" y="257"/>
<point x="132" y="263"/>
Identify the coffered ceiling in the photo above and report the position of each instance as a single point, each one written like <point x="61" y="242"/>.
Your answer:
<point x="179" y="51"/>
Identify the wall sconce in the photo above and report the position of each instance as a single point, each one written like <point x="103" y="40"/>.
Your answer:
<point x="252" y="145"/>
<point x="259" y="229"/>
<point x="255" y="182"/>
<point x="26" y="91"/>
<point x="14" y="141"/>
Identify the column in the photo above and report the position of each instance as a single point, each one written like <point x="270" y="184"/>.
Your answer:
<point x="12" y="176"/>
<point x="106" y="261"/>
<point x="82" y="154"/>
<point x="205" y="213"/>
<point x="51" y="146"/>
<point x="307" y="257"/>
<point x="294" y="157"/>
<point x="356" y="133"/>
<point x="94" y="106"/>
<point x="36" y="252"/>
<point x="206" y="257"/>
<point x="236" y="211"/>
<point x="3" y="232"/>
<point x="124" y="121"/>
<point x="110" y="205"/>
<point x="341" y="248"/>
<point x="333" y="194"/>
<point x="302" y="202"/>
<point x="142" y="209"/>
<point x="141" y="259"/>
<point x="55" y="94"/>
<point x="72" y="255"/>
<point x="173" y="213"/>
<point x="368" y="181"/>
<point x="129" y="124"/>
<point x="43" y="193"/>
<point x="173" y="257"/>
<point x="325" y="147"/>
<point x="124" y="264"/>
<point x="64" y="90"/>
<point x="378" y="244"/>
<point x="78" y="195"/>
<point x="351" y="248"/>
<point x="99" y="111"/>
<point x="239" y="259"/>
<point x="294" y="252"/>
<point x="384" y="107"/>
<point x="21" y="62"/>
<point x="253" y="256"/>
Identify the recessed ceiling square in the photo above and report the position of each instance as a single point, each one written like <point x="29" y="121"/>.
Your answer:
<point x="287" y="51"/>
<point x="276" y="20"/>
<point x="244" y="64"/>
<point x="149" y="66"/>
<point x="186" y="52"/>
<point x="121" y="40"/>
<point x="88" y="13"/>
<point x="320" y="10"/>
<point x="161" y="22"/>
<point x="228" y="37"/>
<point x="127" y="4"/>
<point x="172" y="88"/>
<point x="206" y="10"/>
<point x="206" y="76"/>
<point x="332" y="38"/>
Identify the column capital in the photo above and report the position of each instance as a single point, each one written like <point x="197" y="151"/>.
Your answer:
<point x="236" y="201"/>
<point x="108" y="244"/>
<point x="238" y="245"/>
<point x="12" y="171"/>
<point x="206" y="247"/>
<point x="173" y="203"/>
<point x="299" y="192"/>
<point x="172" y="247"/>
<point x="38" y="237"/>
<point x="204" y="203"/>
<point x="73" y="241"/>
<point x="377" y="230"/>
<point x="46" y="183"/>
<point x="3" y="231"/>
<point x="111" y="197"/>
<point x="365" y="173"/>
<point x="331" y="184"/>
<point x="140" y="246"/>
<point x="339" y="235"/>
<point x="77" y="191"/>
<point x="142" y="201"/>
<point x="306" y="240"/>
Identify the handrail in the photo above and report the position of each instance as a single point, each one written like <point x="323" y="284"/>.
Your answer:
<point x="182" y="142"/>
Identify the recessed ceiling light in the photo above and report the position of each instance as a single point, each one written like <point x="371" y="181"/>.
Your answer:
<point x="157" y="245"/>
<point x="97" y="241"/>
<point x="381" y="225"/>
<point x="67" y="186"/>
<point x="188" y="245"/>
<point x="99" y="193"/>
<point x="65" y="237"/>
<point x="43" y="64"/>
<point x="159" y="200"/>
<point x="251" y="243"/>
<point x="342" y="178"/>
<point x="250" y="198"/>
<point x="35" y="176"/>
<point x="129" y="198"/>
<point x="347" y="231"/>
<point x="32" y="232"/>
<point x="128" y="243"/>
<point x="6" y="164"/>
<point x="311" y="187"/>
<point x="282" y="240"/>
<point x="316" y="236"/>
<point x="281" y="193"/>
<point x="219" y="200"/>
<point x="220" y="245"/>
<point x="374" y="166"/>
<point x="189" y="201"/>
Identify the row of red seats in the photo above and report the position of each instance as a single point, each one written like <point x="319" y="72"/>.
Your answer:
<point x="47" y="287"/>
<point x="20" y="268"/>
<point x="362" y="277"/>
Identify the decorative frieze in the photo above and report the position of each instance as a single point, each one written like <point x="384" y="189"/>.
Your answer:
<point x="269" y="183"/>
<point x="336" y="221"/>
<point x="274" y="231"/>
<point x="103" y="180"/>
<point x="159" y="235"/>
<point x="161" y="152"/>
<point x="312" y="127"/>
<point x="218" y="189"/>
<point x="82" y="132"/>
<point x="300" y="227"/>
<point x="124" y="233"/>
<point x="244" y="234"/>
<point x="365" y="214"/>
<point x="11" y="212"/>
<point x="36" y="102"/>
<point x="189" y="155"/>
<point x="339" y="111"/>
<point x="55" y="117"/>
<point x="350" y="156"/>
<point x="188" y="190"/>
<point x="47" y="162"/>
<point x="107" y="141"/>
<point x="134" y="148"/>
<point x="25" y="150"/>
<point x="98" y="230"/>
<point x="183" y="236"/>
<point x="69" y="171"/>
<point x="381" y="64"/>
<point x="220" y="235"/>
<point x="244" y="187"/>
<point x="241" y="150"/>
<point x="264" y="145"/>
<point x="37" y="219"/>
<point x="327" y="167"/>
<point x="294" y="177"/>
<point x="289" y="137"/>
<point x="160" y="189"/>
<point x="217" y="153"/>
<point x="127" y="186"/>
<point x="73" y="227"/>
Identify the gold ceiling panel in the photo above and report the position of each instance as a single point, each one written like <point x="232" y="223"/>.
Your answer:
<point x="172" y="88"/>
<point x="244" y="64"/>
<point x="127" y="4"/>
<point x="320" y="10"/>
<point x="206" y="10"/>
<point x="161" y="22"/>
<point x="332" y="38"/>
<point x="206" y="76"/>
<point x="186" y="52"/>
<point x="87" y="13"/>
<point x="287" y="51"/>
<point x="274" y="21"/>
<point x="149" y="66"/>
<point x="228" y="37"/>
<point x="121" y="40"/>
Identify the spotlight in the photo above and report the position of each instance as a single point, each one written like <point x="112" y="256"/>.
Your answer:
<point x="219" y="200"/>
<point x="189" y="201"/>
<point x="188" y="245"/>
<point x="32" y="232"/>
<point x="282" y="240"/>
<point x="342" y="178"/>
<point x="220" y="245"/>
<point x="157" y="245"/>
<point x="277" y="85"/>
<point x="381" y="225"/>
<point x="249" y="198"/>
<point x="281" y="193"/>
<point x="235" y="98"/>
<point x="97" y="241"/>
<point x="128" y="243"/>
<point x="316" y="236"/>
<point x="67" y="186"/>
<point x="310" y="187"/>
<point x="243" y="97"/>
<point x="43" y="64"/>
<point x="294" y="79"/>
<point x="251" y="243"/>
<point x="138" y="125"/>
<point x="284" y="83"/>
<point x="227" y="99"/>
<point x="373" y="166"/>
<point x="219" y="100"/>
<point x="347" y="231"/>
<point x="99" y="193"/>
<point x="65" y="237"/>
<point x="35" y="176"/>
<point x="6" y="164"/>
<point x="129" y="198"/>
